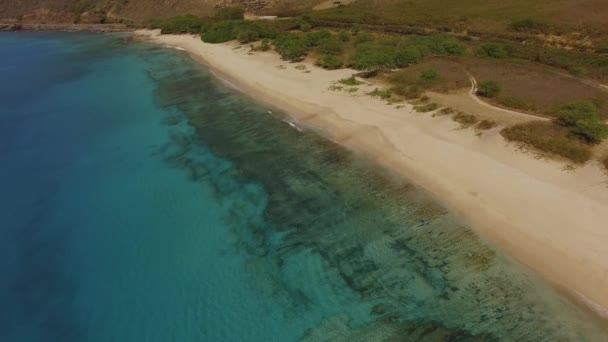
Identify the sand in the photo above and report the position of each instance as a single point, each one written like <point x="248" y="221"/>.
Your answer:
<point x="547" y="216"/>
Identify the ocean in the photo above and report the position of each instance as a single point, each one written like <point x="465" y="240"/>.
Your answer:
<point x="142" y="199"/>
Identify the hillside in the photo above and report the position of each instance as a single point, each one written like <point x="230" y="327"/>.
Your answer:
<point x="67" y="11"/>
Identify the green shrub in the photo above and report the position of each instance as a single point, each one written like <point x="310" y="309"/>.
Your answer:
<point x="383" y="94"/>
<point x="292" y="47"/>
<point x="344" y="36"/>
<point x="315" y="38"/>
<point x="331" y="46"/>
<point x="330" y="62"/>
<point x="247" y="35"/>
<point x="387" y="53"/>
<point x="406" y="56"/>
<point x="181" y="24"/>
<point x="230" y="13"/>
<point x="221" y="32"/>
<point x="548" y="137"/>
<point x="582" y="118"/>
<point x="363" y="37"/>
<point x="350" y="81"/>
<point x="438" y="45"/>
<point x="489" y="89"/>
<point x="429" y="74"/>
<point x="492" y="50"/>
<point x="305" y="27"/>
<point x="528" y="25"/>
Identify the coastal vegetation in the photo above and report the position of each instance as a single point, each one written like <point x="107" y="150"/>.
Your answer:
<point x="582" y="119"/>
<point x="413" y="62"/>
<point x="575" y="129"/>
<point x="485" y="125"/>
<point x="549" y="138"/>
<point x="489" y="89"/>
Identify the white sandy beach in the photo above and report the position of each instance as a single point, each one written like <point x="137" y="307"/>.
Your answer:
<point x="549" y="218"/>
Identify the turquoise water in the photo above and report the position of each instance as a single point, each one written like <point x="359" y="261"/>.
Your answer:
<point x="143" y="200"/>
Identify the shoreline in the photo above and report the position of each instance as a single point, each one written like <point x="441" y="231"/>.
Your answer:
<point x="551" y="220"/>
<point x="96" y="28"/>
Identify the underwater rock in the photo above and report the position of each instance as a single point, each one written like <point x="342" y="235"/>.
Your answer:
<point x="378" y="309"/>
<point x="171" y="120"/>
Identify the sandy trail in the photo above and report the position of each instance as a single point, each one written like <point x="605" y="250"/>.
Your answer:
<point x="552" y="220"/>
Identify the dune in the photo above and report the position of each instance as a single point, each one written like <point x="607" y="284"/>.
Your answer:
<point x="549" y="217"/>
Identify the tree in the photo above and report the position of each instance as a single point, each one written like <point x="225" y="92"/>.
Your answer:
<point x="492" y="50"/>
<point x="489" y="89"/>
<point x="582" y="118"/>
<point x="429" y="74"/>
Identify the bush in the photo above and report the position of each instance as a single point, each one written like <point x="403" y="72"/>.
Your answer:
<point x="350" y="81"/>
<point x="429" y="74"/>
<point x="363" y="37"/>
<point x="492" y="50"/>
<point x="247" y="35"/>
<point x="330" y="62"/>
<point x="331" y="46"/>
<point x="292" y="47"/>
<point x="406" y="56"/>
<point x="383" y="94"/>
<point x="426" y="108"/>
<point x="315" y="38"/>
<point x="548" y="137"/>
<point x="582" y="118"/>
<point x="344" y="36"/>
<point x="489" y="89"/>
<point x="485" y="125"/>
<point x="384" y="54"/>
<point x="230" y="13"/>
<point x="438" y="45"/>
<point x="529" y="25"/>
<point x="305" y="27"/>
<point x="465" y="120"/>
<point x="221" y="32"/>
<point x="181" y="24"/>
<point x="264" y="46"/>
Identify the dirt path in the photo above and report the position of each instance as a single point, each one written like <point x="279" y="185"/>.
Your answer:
<point x="468" y="102"/>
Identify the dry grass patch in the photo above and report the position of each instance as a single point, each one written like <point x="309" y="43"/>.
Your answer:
<point x="534" y="88"/>
<point x="485" y="125"/>
<point x="465" y="120"/>
<point x="436" y="74"/>
<point x="547" y="137"/>
<point x="429" y="107"/>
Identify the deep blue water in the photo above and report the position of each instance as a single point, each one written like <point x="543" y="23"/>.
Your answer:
<point x="142" y="200"/>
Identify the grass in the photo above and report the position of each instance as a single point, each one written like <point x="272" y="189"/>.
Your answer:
<point x="465" y="120"/>
<point x="429" y="107"/>
<point x="350" y="81"/>
<point x="547" y="137"/>
<point x="485" y="125"/>
<point x="384" y="94"/>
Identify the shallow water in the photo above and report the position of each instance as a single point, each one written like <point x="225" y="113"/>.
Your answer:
<point x="143" y="200"/>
